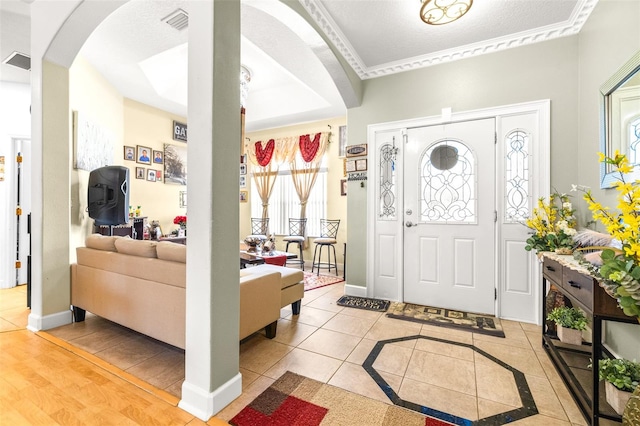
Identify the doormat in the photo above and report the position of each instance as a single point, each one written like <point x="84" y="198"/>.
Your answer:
<point x="299" y="400"/>
<point x="364" y="303"/>
<point x="475" y="323"/>
<point x="313" y="281"/>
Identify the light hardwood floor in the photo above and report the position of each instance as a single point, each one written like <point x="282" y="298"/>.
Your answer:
<point x="47" y="383"/>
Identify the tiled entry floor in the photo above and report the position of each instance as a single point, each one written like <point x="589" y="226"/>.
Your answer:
<point x="330" y="343"/>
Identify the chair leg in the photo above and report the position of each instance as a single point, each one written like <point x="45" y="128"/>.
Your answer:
<point x="335" y="258"/>
<point x="313" y="264"/>
<point x="301" y="255"/>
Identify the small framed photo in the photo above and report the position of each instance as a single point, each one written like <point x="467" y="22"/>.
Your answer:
<point x="151" y="175"/>
<point x="243" y="169"/>
<point x="361" y="165"/>
<point x="183" y="199"/>
<point x="129" y="153"/>
<point x="350" y="166"/>
<point x="158" y="157"/>
<point x="243" y="181"/>
<point x="139" y="172"/>
<point x="243" y="159"/>
<point x="159" y="176"/>
<point x="243" y="196"/>
<point x="343" y="187"/>
<point x="143" y="154"/>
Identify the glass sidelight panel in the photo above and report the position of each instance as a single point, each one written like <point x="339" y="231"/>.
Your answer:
<point x="387" y="201"/>
<point x="517" y="203"/>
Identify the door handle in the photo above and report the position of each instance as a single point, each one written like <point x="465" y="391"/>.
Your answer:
<point x="409" y="224"/>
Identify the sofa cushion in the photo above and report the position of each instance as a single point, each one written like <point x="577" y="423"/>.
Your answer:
<point x="140" y="248"/>
<point x="289" y="276"/>
<point x="171" y="251"/>
<point x="101" y="242"/>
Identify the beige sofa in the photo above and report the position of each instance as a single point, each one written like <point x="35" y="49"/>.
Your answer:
<point x="141" y="285"/>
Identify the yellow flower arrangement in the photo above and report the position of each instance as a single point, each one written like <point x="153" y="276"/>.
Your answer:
<point x="620" y="270"/>
<point x="553" y="224"/>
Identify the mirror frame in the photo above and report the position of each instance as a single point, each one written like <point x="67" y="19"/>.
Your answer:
<point x="607" y="177"/>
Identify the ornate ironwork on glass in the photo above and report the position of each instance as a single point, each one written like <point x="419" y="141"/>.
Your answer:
<point x="517" y="203"/>
<point x="387" y="190"/>
<point x="634" y="141"/>
<point x="448" y="183"/>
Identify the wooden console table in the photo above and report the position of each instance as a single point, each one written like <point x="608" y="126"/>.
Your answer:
<point x="583" y="291"/>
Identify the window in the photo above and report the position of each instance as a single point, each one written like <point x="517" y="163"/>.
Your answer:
<point x="448" y="183"/>
<point x="517" y="202"/>
<point x="284" y="203"/>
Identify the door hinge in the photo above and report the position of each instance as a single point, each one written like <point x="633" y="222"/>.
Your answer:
<point x="495" y="216"/>
<point x="495" y="138"/>
<point x="495" y="293"/>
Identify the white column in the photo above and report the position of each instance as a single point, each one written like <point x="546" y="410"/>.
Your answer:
<point x="212" y="378"/>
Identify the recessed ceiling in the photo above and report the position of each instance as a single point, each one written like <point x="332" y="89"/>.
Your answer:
<point x="135" y="50"/>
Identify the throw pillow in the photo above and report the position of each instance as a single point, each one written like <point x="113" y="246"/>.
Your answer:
<point x="172" y="251"/>
<point x="100" y="242"/>
<point x="141" y="248"/>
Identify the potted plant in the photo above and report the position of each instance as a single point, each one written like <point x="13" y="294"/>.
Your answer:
<point x="570" y="322"/>
<point x="621" y="377"/>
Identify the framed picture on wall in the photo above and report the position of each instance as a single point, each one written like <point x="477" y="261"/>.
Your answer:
<point x="139" y="172"/>
<point x="143" y="154"/>
<point x="129" y="153"/>
<point x="151" y="175"/>
<point x="158" y="157"/>
<point x="183" y="199"/>
<point x="342" y="133"/>
<point x="343" y="187"/>
<point x="243" y="181"/>
<point x="158" y="176"/>
<point x="243" y="196"/>
<point x="361" y="165"/>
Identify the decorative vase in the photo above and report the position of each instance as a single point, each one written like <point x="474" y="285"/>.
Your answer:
<point x="616" y="398"/>
<point x="569" y="335"/>
<point x="564" y="250"/>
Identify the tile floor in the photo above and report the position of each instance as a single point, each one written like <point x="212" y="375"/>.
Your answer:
<point x="330" y="343"/>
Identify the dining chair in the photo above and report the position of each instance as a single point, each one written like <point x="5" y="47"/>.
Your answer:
<point x="297" y="228"/>
<point x="259" y="227"/>
<point x="328" y="235"/>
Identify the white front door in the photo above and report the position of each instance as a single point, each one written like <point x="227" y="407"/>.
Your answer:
<point x="449" y="216"/>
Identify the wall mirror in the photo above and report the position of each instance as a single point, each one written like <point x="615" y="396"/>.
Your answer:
<point x="620" y="119"/>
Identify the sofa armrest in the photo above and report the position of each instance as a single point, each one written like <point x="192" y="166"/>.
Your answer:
<point x="259" y="301"/>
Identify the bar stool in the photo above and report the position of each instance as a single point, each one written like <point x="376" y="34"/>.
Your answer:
<point x="296" y="235"/>
<point x="328" y="234"/>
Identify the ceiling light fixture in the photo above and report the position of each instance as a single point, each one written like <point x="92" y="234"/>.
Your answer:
<point x="439" y="12"/>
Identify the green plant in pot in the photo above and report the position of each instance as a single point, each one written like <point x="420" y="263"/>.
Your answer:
<point x="570" y="322"/>
<point x="621" y="377"/>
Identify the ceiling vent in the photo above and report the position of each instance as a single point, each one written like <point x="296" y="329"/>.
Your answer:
<point x="19" y="60"/>
<point x="178" y="19"/>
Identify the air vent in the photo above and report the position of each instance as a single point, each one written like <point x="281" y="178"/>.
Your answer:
<point x="178" y="19"/>
<point x="19" y="60"/>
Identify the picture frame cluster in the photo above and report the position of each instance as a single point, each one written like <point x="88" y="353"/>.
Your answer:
<point x="145" y="155"/>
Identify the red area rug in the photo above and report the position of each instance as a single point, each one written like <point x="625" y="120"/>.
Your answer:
<point x="295" y="400"/>
<point x="312" y="280"/>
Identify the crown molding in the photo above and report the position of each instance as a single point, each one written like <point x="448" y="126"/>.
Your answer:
<point x="562" y="29"/>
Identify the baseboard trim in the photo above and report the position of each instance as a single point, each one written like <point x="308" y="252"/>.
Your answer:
<point x="204" y="404"/>
<point x="39" y="323"/>
<point x="355" y="290"/>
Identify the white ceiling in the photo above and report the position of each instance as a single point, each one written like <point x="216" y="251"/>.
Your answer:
<point x="145" y="59"/>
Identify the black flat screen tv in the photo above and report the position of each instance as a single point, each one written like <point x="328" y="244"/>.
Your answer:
<point x="108" y="195"/>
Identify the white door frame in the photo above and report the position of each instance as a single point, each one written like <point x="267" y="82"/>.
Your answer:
<point x="540" y="153"/>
